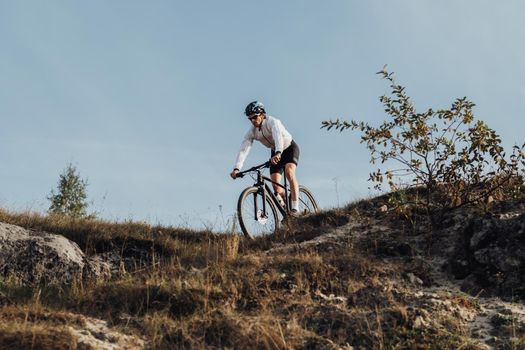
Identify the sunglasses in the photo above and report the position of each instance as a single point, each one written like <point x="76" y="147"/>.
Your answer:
<point x="253" y="117"/>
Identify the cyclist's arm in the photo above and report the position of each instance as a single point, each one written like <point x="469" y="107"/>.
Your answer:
<point x="246" y="145"/>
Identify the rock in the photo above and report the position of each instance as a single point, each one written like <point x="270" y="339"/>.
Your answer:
<point x="470" y="285"/>
<point x="98" y="268"/>
<point x="4" y="300"/>
<point x="95" y="334"/>
<point x="460" y="268"/>
<point x="490" y="256"/>
<point x="419" y="323"/>
<point x="330" y="297"/>
<point x="32" y="257"/>
<point x="414" y="279"/>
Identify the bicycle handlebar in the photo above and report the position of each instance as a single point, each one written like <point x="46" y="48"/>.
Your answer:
<point x="255" y="168"/>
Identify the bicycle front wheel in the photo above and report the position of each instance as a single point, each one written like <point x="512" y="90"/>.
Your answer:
<point x="307" y="203"/>
<point x="257" y="214"/>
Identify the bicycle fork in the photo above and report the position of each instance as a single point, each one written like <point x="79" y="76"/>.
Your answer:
<point x="264" y="190"/>
<point x="261" y="191"/>
<point x="257" y="215"/>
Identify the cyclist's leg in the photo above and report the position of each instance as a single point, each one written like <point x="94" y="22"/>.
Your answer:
<point x="288" y="163"/>
<point x="276" y="171"/>
<point x="290" y="159"/>
<point x="276" y="177"/>
<point x="289" y="170"/>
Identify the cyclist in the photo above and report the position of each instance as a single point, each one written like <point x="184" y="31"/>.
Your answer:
<point x="284" y="151"/>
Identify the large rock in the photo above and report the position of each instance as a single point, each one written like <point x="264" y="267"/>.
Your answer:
<point x="31" y="257"/>
<point x="490" y="257"/>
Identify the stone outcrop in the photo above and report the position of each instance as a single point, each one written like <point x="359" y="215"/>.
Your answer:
<point x="31" y="257"/>
<point x="490" y="256"/>
<point x="95" y="334"/>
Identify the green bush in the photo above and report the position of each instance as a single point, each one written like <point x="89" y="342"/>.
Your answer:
<point x="70" y="198"/>
<point x="445" y="152"/>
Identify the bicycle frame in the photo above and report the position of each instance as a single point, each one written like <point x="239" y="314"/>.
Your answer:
<point x="262" y="184"/>
<point x="273" y="196"/>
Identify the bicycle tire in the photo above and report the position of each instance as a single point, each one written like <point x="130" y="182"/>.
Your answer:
<point x="254" y="224"/>
<point x="307" y="202"/>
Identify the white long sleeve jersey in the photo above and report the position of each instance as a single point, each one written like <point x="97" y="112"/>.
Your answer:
<point x="271" y="133"/>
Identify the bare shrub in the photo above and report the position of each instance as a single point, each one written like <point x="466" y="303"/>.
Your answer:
<point x="454" y="158"/>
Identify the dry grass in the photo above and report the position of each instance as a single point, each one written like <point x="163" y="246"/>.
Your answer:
<point x="200" y="290"/>
<point x="32" y="327"/>
<point x="98" y="236"/>
<point x="16" y="335"/>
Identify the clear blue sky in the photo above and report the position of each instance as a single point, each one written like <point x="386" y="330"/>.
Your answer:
<point x="146" y="97"/>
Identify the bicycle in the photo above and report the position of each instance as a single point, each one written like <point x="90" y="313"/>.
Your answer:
<point x="258" y="208"/>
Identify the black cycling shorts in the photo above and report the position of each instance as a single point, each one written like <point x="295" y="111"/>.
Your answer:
<point x="289" y="155"/>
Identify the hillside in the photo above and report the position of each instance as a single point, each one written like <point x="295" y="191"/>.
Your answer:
<point x="358" y="277"/>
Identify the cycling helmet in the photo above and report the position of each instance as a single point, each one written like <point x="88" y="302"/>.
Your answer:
<point x="254" y="107"/>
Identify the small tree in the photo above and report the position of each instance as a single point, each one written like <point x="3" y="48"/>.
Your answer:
<point x="70" y="198"/>
<point x="446" y="151"/>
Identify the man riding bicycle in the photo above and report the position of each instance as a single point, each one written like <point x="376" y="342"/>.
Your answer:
<point x="284" y="151"/>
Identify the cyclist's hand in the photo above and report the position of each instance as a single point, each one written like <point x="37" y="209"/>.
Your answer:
<point x="234" y="174"/>
<point x="275" y="159"/>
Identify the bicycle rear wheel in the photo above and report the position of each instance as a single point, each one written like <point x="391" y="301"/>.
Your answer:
<point x="307" y="203"/>
<point x="253" y="219"/>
